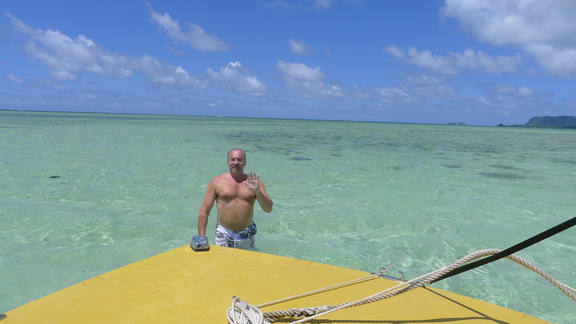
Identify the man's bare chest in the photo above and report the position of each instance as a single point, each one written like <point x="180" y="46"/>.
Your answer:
<point x="231" y="192"/>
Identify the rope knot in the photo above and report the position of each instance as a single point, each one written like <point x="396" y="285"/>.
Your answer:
<point x="243" y="313"/>
<point x="308" y="311"/>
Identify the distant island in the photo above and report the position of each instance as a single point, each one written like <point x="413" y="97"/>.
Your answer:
<point x="550" y="122"/>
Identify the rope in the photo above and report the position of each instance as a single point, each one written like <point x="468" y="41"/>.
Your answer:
<point x="319" y="290"/>
<point x="242" y="313"/>
<point x="239" y="312"/>
<point x="378" y="274"/>
<point x="418" y="248"/>
<point x="513" y="249"/>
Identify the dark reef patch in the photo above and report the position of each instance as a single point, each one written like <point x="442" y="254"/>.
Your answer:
<point x="505" y="167"/>
<point x="502" y="175"/>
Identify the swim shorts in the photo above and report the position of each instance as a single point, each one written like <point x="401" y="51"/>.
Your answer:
<point x="243" y="239"/>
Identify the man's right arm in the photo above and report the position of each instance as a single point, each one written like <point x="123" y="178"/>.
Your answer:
<point x="207" y="204"/>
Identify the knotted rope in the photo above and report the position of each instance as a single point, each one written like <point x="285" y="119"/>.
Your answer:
<point x="242" y="312"/>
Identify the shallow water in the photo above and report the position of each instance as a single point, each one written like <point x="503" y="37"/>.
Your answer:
<point x="83" y="194"/>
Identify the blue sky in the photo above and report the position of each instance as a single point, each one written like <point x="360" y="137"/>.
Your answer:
<point x="483" y="62"/>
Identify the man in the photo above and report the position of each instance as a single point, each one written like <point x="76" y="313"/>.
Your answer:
<point x="235" y="194"/>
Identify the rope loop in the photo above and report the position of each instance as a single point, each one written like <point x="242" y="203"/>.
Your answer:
<point x="240" y="312"/>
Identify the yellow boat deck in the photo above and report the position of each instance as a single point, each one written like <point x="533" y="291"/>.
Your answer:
<point x="183" y="286"/>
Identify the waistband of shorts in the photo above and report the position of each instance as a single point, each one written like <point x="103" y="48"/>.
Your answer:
<point x="220" y="227"/>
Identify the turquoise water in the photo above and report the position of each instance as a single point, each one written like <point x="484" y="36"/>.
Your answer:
<point x="83" y="194"/>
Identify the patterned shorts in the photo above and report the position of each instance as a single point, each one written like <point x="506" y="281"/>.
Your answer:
<point x="243" y="239"/>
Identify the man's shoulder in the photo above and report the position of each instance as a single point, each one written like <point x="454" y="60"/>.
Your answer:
<point x="222" y="177"/>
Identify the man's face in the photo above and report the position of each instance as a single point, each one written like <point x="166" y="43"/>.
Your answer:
<point x="236" y="161"/>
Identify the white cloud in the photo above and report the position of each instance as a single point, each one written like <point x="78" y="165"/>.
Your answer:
<point x="299" y="47"/>
<point x="424" y="80"/>
<point x="454" y="62"/>
<point x="278" y="4"/>
<point x="307" y="82"/>
<point x="50" y="83"/>
<point x="509" y="100"/>
<point x="510" y="90"/>
<point x="87" y="97"/>
<point x="14" y="79"/>
<point x="544" y="28"/>
<point x="395" y="51"/>
<point x="559" y="62"/>
<point x="299" y="71"/>
<point x="323" y="4"/>
<point x="67" y="58"/>
<point x="195" y="36"/>
<point x="166" y="74"/>
<point x="517" y="21"/>
<point x="300" y="5"/>
<point x="417" y="90"/>
<point x="394" y="95"/>
<point x="235" y="78"/>
<point x="482" y="62"/>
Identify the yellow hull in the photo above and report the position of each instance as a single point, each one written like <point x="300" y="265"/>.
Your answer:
<point x="183" y="286"/>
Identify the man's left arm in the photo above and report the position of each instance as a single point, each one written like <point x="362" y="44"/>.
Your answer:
<point x="253" y="183"/>
<point x="263" y="199"/>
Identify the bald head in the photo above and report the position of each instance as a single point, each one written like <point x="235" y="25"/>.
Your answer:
<point x="236" y="149"/>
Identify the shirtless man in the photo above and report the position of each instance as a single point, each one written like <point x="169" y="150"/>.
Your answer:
<point x="234" y="193"/>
